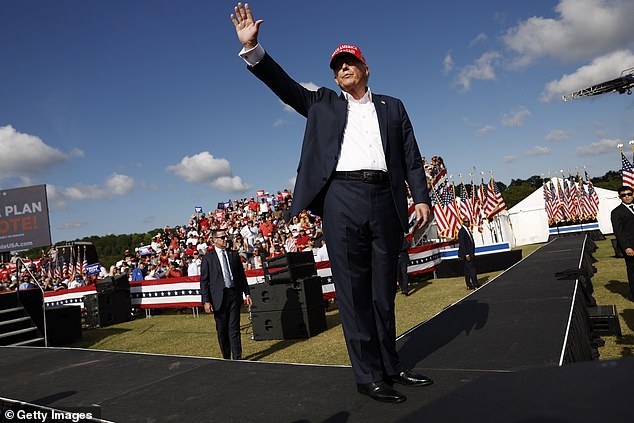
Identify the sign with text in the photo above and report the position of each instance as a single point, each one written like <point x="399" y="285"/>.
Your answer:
<point x="24" y="218"/>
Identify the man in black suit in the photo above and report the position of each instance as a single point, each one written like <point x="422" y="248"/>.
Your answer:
<point x="623" y="225"/>
<point x="358" y="152"/>
<point x="466" y="253"/>
<point x="222" y="283"/>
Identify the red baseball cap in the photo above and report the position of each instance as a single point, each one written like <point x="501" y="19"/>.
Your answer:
<point x="346" y="49"/>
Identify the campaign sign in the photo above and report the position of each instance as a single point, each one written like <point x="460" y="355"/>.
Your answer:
<point x="93" y="269"/>
<point x="24" y="218"/>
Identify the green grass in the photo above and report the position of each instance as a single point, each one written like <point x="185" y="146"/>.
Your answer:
<point x="182" y="334"/>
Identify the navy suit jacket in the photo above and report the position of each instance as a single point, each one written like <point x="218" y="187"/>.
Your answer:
<point x="623" y="227"/>
<point x="466" y="245"/>
<point x="212" y="282"/>
<point x="326" y="113"/>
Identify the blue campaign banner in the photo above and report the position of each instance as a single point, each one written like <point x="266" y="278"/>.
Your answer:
<point x="93" y="269"/>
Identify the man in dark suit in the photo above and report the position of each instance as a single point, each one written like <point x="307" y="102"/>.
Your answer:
<point x="466" y="253"/>
<point x="623" y="225"/>
<point x="222" y="283"/>
<point x="358" y="152"/>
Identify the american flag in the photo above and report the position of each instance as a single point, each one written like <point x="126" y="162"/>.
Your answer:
<point x="584" y="202"/>
<point x="479" y="202"/>
<point x="411" y="221"/>
<point x="628" y="171"/>
<point x="438" y="177"/>
<point x="592" y="194"/>
<point x="558" y="214"/>
<point x="548" y="203"/>
<point x="495" y="203"/>
<point x="466" y="206"/>
<point x="84" y="263"/>
<point x="442" y="220"/>
<point x="567" y="201"/>
<point x="451" y="211"/>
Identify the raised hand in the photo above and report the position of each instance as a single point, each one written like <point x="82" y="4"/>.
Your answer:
<point x="246" y="28"/>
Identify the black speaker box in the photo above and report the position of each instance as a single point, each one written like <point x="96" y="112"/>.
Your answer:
<point x="290" y="267"/>
<point x="91" y="311"/>
<point x="110" y="284"/>
<point x="114" y="307"/>
<point x="288" y="324"/>
<point x="305" y="293"/>
<point x="63" y="325"/>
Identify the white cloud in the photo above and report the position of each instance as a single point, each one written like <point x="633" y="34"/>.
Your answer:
<point x="537" y="151"/>
<point x="115" y="185"/>
<point x="76" y="152"/>
<point x="447" y="63"/>
<point x="118" y="184"/>
<point x="201" y="167"/>
<point x="516" y="118"/>
<point x="205" y="168"/>
<point x="481" y="37"/>
<point x="72" y="225"/>
<point x="557" y="135"/>
<point x="600" y="147"/>
<point x="280" y="122"/>
<point x="509" y="159"/>
<point x="309" y="86"/>
<point x="582" y="30"/>
<point x="230" y="184"/>
<point x="482" y="69"/>
<point x="25" y="155"/>
<point x="601" y="69"/>
<point x="486" y="129"/>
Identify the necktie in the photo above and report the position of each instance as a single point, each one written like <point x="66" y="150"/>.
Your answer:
<point x="225" y="273"/>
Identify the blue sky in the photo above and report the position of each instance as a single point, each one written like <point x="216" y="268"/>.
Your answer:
<point x="134" y="112"/>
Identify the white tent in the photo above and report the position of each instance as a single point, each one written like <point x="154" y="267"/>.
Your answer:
<point x="530" y="221"/>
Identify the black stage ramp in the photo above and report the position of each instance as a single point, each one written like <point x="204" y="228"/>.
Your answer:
<point x="131" y="387"/>
<point x="532" y="315"/>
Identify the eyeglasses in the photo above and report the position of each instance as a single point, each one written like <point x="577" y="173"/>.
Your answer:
<point x="222" y="237"/>
<point x="626" y="194"/>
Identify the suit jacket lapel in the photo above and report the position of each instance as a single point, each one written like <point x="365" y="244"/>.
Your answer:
<point x="381" y="113"/>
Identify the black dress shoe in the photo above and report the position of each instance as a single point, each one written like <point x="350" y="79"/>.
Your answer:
<point x="407" y="377"/>
<point x="380" y="391"/>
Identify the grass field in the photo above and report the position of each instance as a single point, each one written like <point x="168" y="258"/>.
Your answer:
<point x="182" y="334"/>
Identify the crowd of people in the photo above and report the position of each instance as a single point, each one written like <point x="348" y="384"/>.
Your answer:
<point x="258" y="228"/>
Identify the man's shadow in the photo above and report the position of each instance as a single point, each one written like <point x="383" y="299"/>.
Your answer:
<point x="424" y="340"/>
<point x="619" y="287"/>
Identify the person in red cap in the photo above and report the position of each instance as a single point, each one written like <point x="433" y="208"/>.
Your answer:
<point x="358" y="152"/>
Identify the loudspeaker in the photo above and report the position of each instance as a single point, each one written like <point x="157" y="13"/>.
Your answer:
<point x="63" y="325"/>
<point x="109" y="284"/>
<point x="604" y="320"/>
<point x="305" y="293"/>
<point x="288" y="324"/>
<point x="91" y="311"/>
<point x="114" y="307"/>
<point x="290" y="267"/>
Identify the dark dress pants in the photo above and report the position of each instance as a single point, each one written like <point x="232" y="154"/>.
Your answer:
<point x="629" y="264"/>
<point x="364" y="236"/>
<point x="402" y="276"/>
<point x="470" y="274"/>
<point x="228" y="324"/>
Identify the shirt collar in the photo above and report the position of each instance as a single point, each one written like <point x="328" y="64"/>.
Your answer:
<point x="367" y="97"/>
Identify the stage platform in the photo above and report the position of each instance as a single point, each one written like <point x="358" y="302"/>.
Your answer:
<point x="494" y="356"/>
